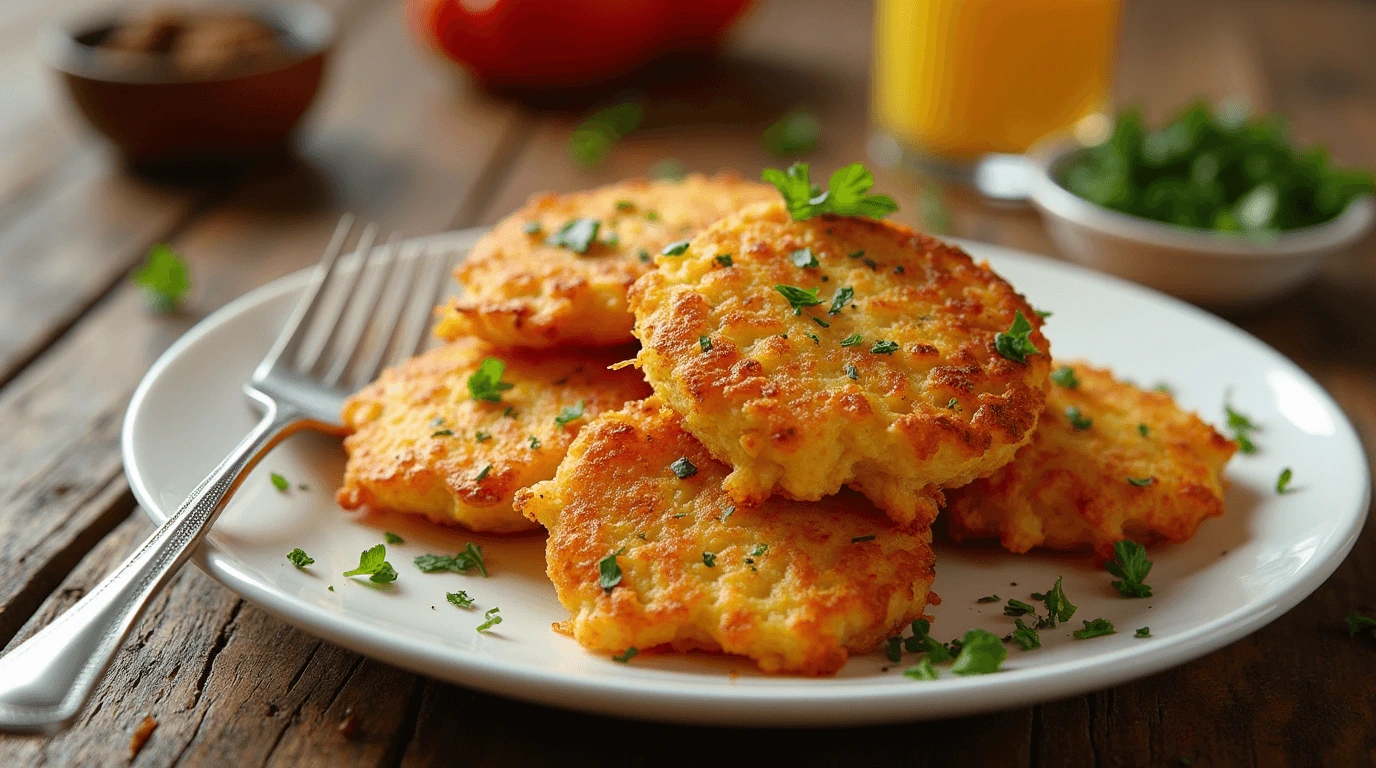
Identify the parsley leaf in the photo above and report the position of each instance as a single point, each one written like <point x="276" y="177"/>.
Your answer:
<point x="980" y="654"/>
<point x="1078" y="421"/>
<point x="841" y="299"/>
<point x="1026" y="637"/>
<point x="675" y="248"/>
<point x="373" y="564"/>
<point x="1014" y="343"/>
<point x="471" y="557"/>
<point x="851" y="340"/>
<point x="845" y="194"/>
<point x="862" y="539"/>
<point x="486" y="382"/>
<point x="989" y="599"/>
<point x="460" y="599"/>
<point x="164" y="278"/>
<point x="796" y="133"/>
<point x="1065" y="376"/>
<point x="709" y="559"/>
<point x="705" y="342"/>
<point x="570" y="413"/>
<point x="577" y="235"/>
<point x="1143" y="430"/>
<point x="299" y="558"/>
<point x="1283" y="482"/>
<point x="531" y="228"/>
<point x="1130" y="564"/>
<point x="1058" y="608"/>
<point x="608" y="572"/>
<point x="1357" y="624"/>
<point x="1094" y="628"/>
<point x="922" y="670"/>
<point x="1242" y="428"/>
<point x="1141" y="482"/>
<point x="803" y="258"/>
<point x="683" y="468"/>
<point x="799" y="297"/>
<point x="279" y="482"/>
<point x="1143" y="632"/>
<point x="884" y="347"/>
<point x="627" y="655"/>
<point x="492" y="619"/>
<point x="724" y="260"/>
<point x="443" y="433"/>
<point x="392" y="538"/>
<point x="1017" y="608"/>
<point x="853" y="374"/>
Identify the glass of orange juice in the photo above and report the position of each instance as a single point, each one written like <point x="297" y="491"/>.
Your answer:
<point x="963" y="88"/>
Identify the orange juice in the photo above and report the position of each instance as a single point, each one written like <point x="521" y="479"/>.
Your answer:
<point x="963" y="78"/>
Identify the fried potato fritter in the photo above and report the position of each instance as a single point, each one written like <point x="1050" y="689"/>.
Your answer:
<point x="1125" y="463"/>
<point x="423" y="444"/>
<point x="520" y="291"/>
<point x="795" y="586"/>
<point x="896" y="389"/>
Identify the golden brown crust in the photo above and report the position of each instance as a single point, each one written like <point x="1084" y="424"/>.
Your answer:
<point x="520" y="292"/>
<point x="802" y="604"/>
<point x="773" y="396"/>
<point x="401" y="459"/>
<point x="1068" y="489"/>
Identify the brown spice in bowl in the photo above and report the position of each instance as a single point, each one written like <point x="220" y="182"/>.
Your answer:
<point x="195" y="44"/>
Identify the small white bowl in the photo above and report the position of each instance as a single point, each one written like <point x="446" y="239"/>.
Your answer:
<point x="1214" y="269"/>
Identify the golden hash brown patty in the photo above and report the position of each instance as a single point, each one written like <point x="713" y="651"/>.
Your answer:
<point x="795" y="586"/>
<point x="896" y="390"/>
<point x="520" y="291"/>
<point x="422" y="444"/>
<point x="1071" y="488"/>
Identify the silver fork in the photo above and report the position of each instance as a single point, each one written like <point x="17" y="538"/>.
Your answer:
<point x="45" y="681"/>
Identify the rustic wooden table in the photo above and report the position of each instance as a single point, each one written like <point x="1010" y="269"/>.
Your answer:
<point x="399" y="139"/>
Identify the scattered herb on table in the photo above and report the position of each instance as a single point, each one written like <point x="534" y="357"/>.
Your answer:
<point x="922" y="670"/>
<point x="493" y="618"/>
<point x="1142" y="632"/>
<point x="1283" y="481"/>
<point x="1026" y="637"/>
<point x="373" y="564"/>
<point x="164" y="278"/>
<point x="470" y="558"/>
<point x="460" y="599"/>
<point x="981" y="653"/>
<point x="1094" y="628"/>
<point x="1131" y="566"/>
<point x="279" y="482"/>
<point x="299" y="558"/>
<point x="1242" y="428"/>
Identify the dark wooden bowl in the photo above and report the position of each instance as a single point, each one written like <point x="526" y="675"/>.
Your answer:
<point x="159" y="117"/>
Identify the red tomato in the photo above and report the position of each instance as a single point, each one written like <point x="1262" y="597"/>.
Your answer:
<point x="554" y="43"/>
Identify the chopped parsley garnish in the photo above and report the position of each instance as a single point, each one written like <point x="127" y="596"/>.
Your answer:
<point x="853" y="374"/>
<point x="859" y="539"/>
<point x="509" y="413"/>
<point x="486" y="382"/>
<point x="922" y="670"/>
<point x="675" y="248"/>
<point x="1014" y="343"/>
<point x="460" y="599"/>
<point x="627" y="655"/>
<point x="279" y="482"/>
<point x="1076" y="419"/>
<point x="608" y="572"/>
<point x="392" y="538"/>
<point x="1141" y="482"/>
<point x="643" y="255"/>
<point x="299" y="558"/>
<point x="798" y="297"/>
<point x="706" y="343"/>
<point x="1242" y="428"/>
<point x="442" y="433"/>
<point x="894" y="649"/>
<point x="625" y="205"/>
<point x="492" y="619"/>
<point x="803" y="258"/>
<point x="709" y="559"/>
<point x="1094" y="628"/>
<point x="846" y="193"/>
<point x="578" y="235"/>
<point x="884" y="347"/>
<point x="482" y="436"/>
<point x="724" y="260"/>
<point x="988" y="599"/>
<point x="1065" y="377"/>
<point x="815" y="339"/>
<point x="1017" y="607"/>
<point x="471" y="557"/>
<point x="953" y="404"/>
<point x="570" y="413"/>
<point x="796" y="133"/>
<point x="1130" y="564"/>
<point x="373" y="564"/>
<point x="759" y="549"/>
<point x="164" y="278"/>
<point x="843" y="297"/>
<point x="683" y="468"/>
<point x="531" y="228"/>
<point x="482" y="473"/>
<point x="534" y="442"/>
<point x="851" y="340"/>
<point x="668" y="169"/>
<point x="1026" y="637"/>
<point x="1143" y="632"/>
<point x="1357" y="624"/>
<point x="1143" y="430"/>
<point x="731" y="510"/>
<point x="1163" y="388"/>
<point x="981" y="653"/>
<point x="1058" y="608"/>
<point x="1043" y="314"/>
<point x="1283" y="482"/>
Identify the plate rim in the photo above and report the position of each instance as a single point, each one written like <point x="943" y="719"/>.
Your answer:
<point x="841" y="701"/>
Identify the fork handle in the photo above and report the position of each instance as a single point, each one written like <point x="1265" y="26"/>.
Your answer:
<point x="45" y="681"/>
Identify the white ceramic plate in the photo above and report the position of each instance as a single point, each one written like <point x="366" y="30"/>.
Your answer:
<point x="1240" y="572"/>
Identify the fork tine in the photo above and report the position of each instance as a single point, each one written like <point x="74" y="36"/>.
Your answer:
<point x="312" y="362"/>
<point x="391" y="320"/>
<point x="431" y="287"/>
<point x="289" y="340"/>
<point x="379" y="278"/>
